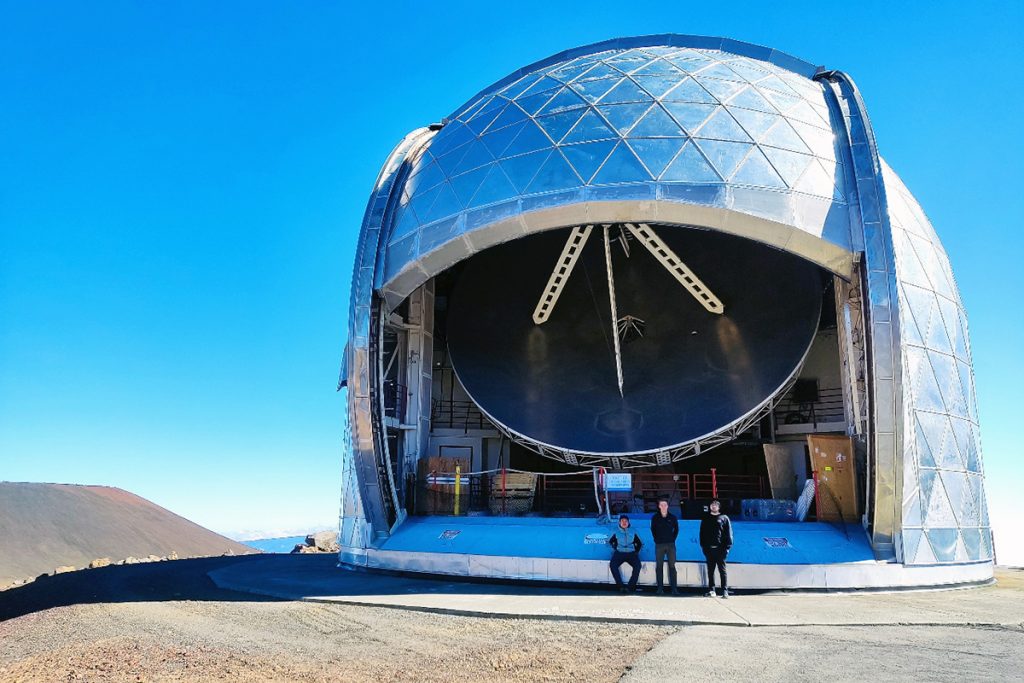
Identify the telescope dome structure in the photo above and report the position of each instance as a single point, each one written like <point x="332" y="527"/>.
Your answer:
<point x="635" y="255"/>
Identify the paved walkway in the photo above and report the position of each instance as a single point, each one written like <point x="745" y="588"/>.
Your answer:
<point x="317" y="578"/>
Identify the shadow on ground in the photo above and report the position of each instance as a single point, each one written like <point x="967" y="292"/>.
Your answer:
<point x="149" y="582"/>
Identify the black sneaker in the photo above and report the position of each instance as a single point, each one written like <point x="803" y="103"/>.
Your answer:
<point x="622" y="589"/>
<point x="725" y="593"/>
<point x="660" y="591"/>
<point x="675" y="592"/>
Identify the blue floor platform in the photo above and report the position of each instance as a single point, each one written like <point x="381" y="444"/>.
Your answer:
<point x="775" y="543"/>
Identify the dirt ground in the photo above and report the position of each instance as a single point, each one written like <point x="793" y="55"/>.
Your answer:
<point x="168" y="622"/>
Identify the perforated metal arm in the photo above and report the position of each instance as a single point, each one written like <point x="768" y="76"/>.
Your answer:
<point x="679" y="270"/>
<point x="563" y="268"/>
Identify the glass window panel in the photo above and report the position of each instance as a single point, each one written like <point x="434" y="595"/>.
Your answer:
<point x="622" y="117"/>
<point x="570" y="71"/>
<point x="756" y="123"/>
<point x="782" y="102"/>
<point x="590" y="127"/>
<point x="587" y="158"/>
<point x="960" y="498"/>
<point x="725" y="156"/>
<point x="689" y="91"/>
<point x="516" y="89"/>
<point x="406" y="222"/>
<point x="756" y="170"/>
<point x="821" y="142"/>
<point x="656" y="153"/>
<point x="912" y="511"/>
<point x="722" y="126"/>
<point x="656" y="123"/>
<point x="555" y="174"/>
<point x="690" y="166"/>
<point x="448" y="162"/>
<point x="625" y="91"/>
<point x="722" y="90"/>
<point x="592" y="91"/>
<point x="690" y="115"/>
<point x="967" y="388"/>
<point x="948" y="380"/>
<point x="621" y="166"/>
<point x="910" y="271"/>
<point x="804" y="112"/>
<point x="557" y="125"/>
<point x="790" y="165"/>
<point x="926" y="392"/>
<point x="520" y="170"/>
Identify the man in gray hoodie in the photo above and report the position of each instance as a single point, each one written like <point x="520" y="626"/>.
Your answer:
<point x="625" y="548"/>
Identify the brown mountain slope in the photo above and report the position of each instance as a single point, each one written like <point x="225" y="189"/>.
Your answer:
<point x="44" y="526"/>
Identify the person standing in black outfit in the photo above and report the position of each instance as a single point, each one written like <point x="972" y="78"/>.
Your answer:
<point x="665" y="529"/>
<point x="715" y="541"/>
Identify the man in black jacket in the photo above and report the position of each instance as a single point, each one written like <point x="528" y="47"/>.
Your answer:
<point x="665" y="529"/>
<point x="715" y="541"/>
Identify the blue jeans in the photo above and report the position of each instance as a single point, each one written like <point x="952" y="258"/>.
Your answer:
<point x="632" y="559"/>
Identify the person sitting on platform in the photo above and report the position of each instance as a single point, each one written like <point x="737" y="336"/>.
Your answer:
<point x="665" y="529"/>
<point x="715" y="541"/>
<point x="626" y="548"/>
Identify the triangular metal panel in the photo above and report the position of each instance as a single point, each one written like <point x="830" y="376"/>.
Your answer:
<point x="657" y="85"/>
<point x="722" y="126"/>
<point x="499" y="140"/>
<point x="555" y="174"/>
<point x="658" y="67"/>
<point x="466" y="184"/>
<point x="790" y="165"/>
<point x="622" y="117"/>
<point x="720" y="70"/>
<point x="911" y="543"/>
<point x="722" y="90"/>
<point x="756" y="170"/>
<point x="912" y="510"/>
<point x="656" y="123"/>
<point x="972" y="543"/>
<point x="592" y="91"/>
<point x="530" y="139"/>
<point x="960" y="499"/>
<point x="590" y="127"/>
<point x="939" y="511"/>
<point x="925" y="457"/>
<point x="908" y="266"/>
<point x="783" y="136"/>
<point x="822" y="143"/>
<point x="816" y="181"/>
<point x="656" y="153"/>
<point x="943" y="543"/>
<point x="586" y="158"/>
<point x="564" y="100"/>
<point x="625" y="91"/>
<point x="756" y="123"/>
<point x="961" y="551"/>
<point x="510" y="116"/>
<point x="783" y="102"/>
<point x="496" y="187"/>
<point x="689" y="91"/>
<point x="725" y="156"/>
<point x="476" y="155"/>
<point x="557" y="125"/>
<point x="690" y="115"/>
<point x="690" y="166"/>
<point x="621" y="166"/>
<point x="446" y="204"/>
<point x="925" y="554"/>
<point x="521" y="170"/>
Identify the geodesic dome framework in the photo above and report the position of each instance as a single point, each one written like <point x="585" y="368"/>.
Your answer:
<point x="714" y="134"/>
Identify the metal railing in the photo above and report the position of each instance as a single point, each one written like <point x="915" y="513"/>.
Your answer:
<point x="828" y="408"/>
<point x="511" y="493"/>
<point x="464" y="415"/>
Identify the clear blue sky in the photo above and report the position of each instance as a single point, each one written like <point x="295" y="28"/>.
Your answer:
<point x="181" y="186"/>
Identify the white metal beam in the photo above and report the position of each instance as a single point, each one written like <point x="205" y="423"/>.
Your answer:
<point x="559" y="276"/>
<point x="679" y="270"/>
